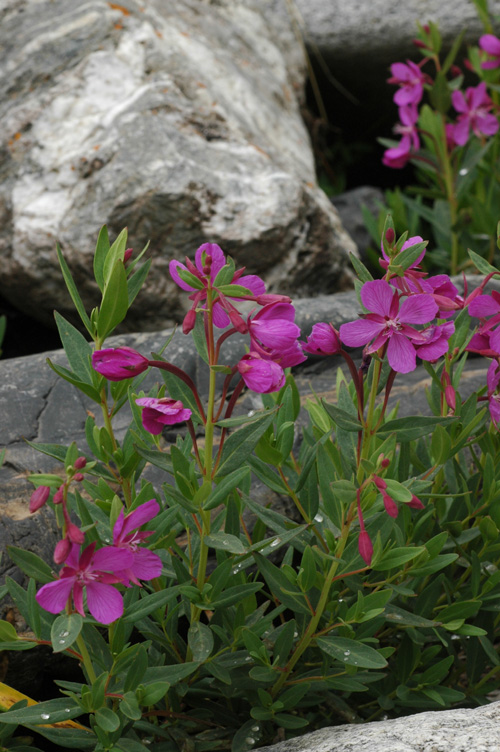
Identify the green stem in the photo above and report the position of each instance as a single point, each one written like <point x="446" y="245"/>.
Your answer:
<point x="86" y="659"/>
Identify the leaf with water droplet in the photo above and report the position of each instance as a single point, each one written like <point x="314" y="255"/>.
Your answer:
<point x="65" y="631"/>
<point x="351" y="652"/>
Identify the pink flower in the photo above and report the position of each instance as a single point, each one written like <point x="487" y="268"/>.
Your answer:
<point x="436" y="341"/>
<point x="273" y="335"/>
<point x="261" y="375"/>
<point x="493" y="380"/>
<point x="400" y="155"/>
<point x="146" y="564"/>
<point x="481" y="307"/>
<point x="388" y="322"/>
<point x="411" y="81"/>
<point x="323" y="340"/>
<point x="162" y="412"/>
<point x="93" y="570"/>
<point x="39" y="498"/>
<point x="119" y="363"/>
<point x="491" y="45"/>
<point x="209" y="260"/>
<point x="384" y="263"/>
<point x="475" y="109"/>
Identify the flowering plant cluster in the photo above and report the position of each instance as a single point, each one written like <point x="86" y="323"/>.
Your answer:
<point x="204" y="616"/>
<point x="449" y="131"/>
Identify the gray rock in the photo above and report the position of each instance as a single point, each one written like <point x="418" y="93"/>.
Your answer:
<point x="460" y="730"/>
<point x="350" y="208"/>
<point x="180" y="120"/>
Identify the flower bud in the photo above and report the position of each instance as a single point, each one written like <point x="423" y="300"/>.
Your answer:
<point x="38" y="498"/>
<point x="323" y="340"/>
<point x="78" y="477"/>
<point x="58" y="497"/>
<point x="189" y="321"/>
<point x="390" y="235"/>
<point x="390" y="505"/>
<point x="380" y="483"/>
<point x="127" y="255"/>
<point x="365" y="547"/>
<point x="415" y="503"/>
<point x="80" y="463"/>
<point x="61" y="551"/>
<point x="74" y="534"/>
<point x="119" y="363"/>
<point x="385" y="462"/>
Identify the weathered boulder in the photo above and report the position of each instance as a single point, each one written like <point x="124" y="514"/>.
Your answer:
<point x="461" y="730"/>
<point x="179" y="120"/>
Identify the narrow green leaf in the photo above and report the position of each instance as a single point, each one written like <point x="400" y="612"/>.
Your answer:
<point x="114" y="304"/>
<point x="397" y="557"/>
<point x="101" y="251"/>
<point x="242" y="443"/>
<point x="31" y="564"/>
<point x="201" y="641"/>
<point x="351" y="652"/>
<point x="72" y="289"/>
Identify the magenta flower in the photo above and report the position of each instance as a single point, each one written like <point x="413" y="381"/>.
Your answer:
<point x="384" y="263"/>
<point x="39" y="498"/>
<point x="273" y="334"/>
<point x="436" y="341"/>
<point x="388" y="322"/>
<point x="162" y="412"/>
<point x="481" y="307"/>
<point x="491" y="45"/>
<point x="119" y="363"/>
<point x="410" y="79"/>
<point x="399" y="156"/>
<point x="146" y="564"/>
<point x="92" y="570"/>
<point x="323" y="340"/>
<point x="493" y="380"/>
<point x="261" y="375"/>
<point x="475" y="112"/>
<point x="209" y="260"/>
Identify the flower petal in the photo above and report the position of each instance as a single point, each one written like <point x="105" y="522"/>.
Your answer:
<point x="401" y="354"/>
<point x="360" y="332"/>
<point x="418" y="309"/>
<point x="377" y="296"/>
<point x="54" y="595"/>
<point x="104" y="601"/>
<point x="172" y="267"/>
<point x="111" y="558"/>
<point x="138" y="517"/>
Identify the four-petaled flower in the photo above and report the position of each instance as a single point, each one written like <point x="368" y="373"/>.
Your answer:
<point x="474" y="108"/>
<point x="94" y="571"/>
<point x="389" y="322"/>
<point x="491" y="45"/>
<point x="162" y="412"/>
<point x="410" y="79"/>
<point x="399" y="156"/>
<point x="146" y="564"/>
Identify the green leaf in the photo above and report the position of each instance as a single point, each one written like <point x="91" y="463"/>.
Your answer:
<point x="460" y="610"/>
<point x="342" y="418"/>
<point x="405" y="618"/>
<point x="397" y="557"/>
<point x="136" y="281"/>
<point x="68" y="376"/>
<point x="77" y="349"/>
<point x="75" y="296"/>
<point x="281" y="587"/>
<point x="149" y="603"/>
<point x="31" y="564"/>
<point x="433" y="565"/>
<point x="64" y="631"/>
<point x="235" y="291"/>
<point x="51" y="711"/>
<point x="219" y="494"/>
<point x="114" y="304"/>
<point x="242" y="443"/>
<point x="137" y="670"/>
<point x="7" y="632"/>
<point x="190" y="279"/>
<point x="101" y="251"/>
<point x="201" y="641"/>
<point x="351" y="652"/>
<point x="107" y="719"/>
<point x="411" y="428"/>
<point x="481" y="264"/>
<point x="225" y="542"/>
<point x="171" y="674"/>
<point x="361" y="271"/>
<point x="440" y="95"/>
<point x="153" y="693"/>
<point x="115" y="253"/>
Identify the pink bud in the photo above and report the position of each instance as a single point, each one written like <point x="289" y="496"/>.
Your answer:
<point x="385" y="462"/>
<point x="78" y="477"/>
<point x="189" y="321"/>
<point x="269" y="297"/>
<point x="365" y="547"/>
<point x="238" y="322"/>
<point x="468" y="65"/>
<point x="390" y="506"/>
<point x="127" y="255"/>
<point x="58" y="496"/>
<point x="80" y="463"/>
<point x="380" y="483"/>
<point x="38" y="498"/>
<point x="418" y="43"/>
<point x="61" y="551"/>
<point x="455" y="71"/>
<point x="323" y="340"/>
<point x="415" y="503"/>
<point x="74" y="534"/>
<point x="390" y="235"/>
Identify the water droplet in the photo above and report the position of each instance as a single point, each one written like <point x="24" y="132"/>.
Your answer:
<point x="345" y="660"/>
<point x="463" y="171"/>
<point x="248" y="658"/>
<point x="347" y="652"/>
<point x="250" y="413"/>
<point x="67" y="710"/>
<point x="318" y="518"/>
<point x="255" y="728"/>
<point x="64" y="634"/>
<point x="275" y="542"/>
<point x="45" y="716"/>
<point x="341" y="600"/>
<point x="455" y="637"/>
<point x="355" y="663"/>
<point x="250" y="740"/>
<point x="61" y="642"/>
<point x="295" y="634"/>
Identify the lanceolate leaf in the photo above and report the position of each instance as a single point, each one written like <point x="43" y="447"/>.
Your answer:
<point x="242" y="443"/>
<point x="351" y="652"/>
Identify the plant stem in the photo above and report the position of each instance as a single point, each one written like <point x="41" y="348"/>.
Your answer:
<point x="86" y="659"/>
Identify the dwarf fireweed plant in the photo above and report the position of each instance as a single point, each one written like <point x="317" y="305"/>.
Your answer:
<point x="202" y="616"/>
<point x="448" y="128"/>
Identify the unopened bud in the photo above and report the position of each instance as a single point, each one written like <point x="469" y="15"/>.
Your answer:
<point x="380" y="483"/>
<point x="189" y="321"/>
<point x="390" y="235"/>
<point x="415" y="503"/>
<point x="238" y="322"/>
<point x="365" y="547"/>
<point x="390" y="506"/>
<point x="78" y="477"/>
<point x="58" y="497"/>
<point x="38" y="498"/>
<point x="421" y="45"/>
<point x="385" y="462"/>
<point x="74" y="534"/>
<point x="127" y="255"/>
<point x="468" y="64"/>
<point x="80" y="463"/>
<point x="61" y="551"/>
<point x="455" y="71"/>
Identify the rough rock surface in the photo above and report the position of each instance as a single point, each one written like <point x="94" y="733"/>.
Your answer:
<point x="460" y="730"/>
<point x="180" y="120"/>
